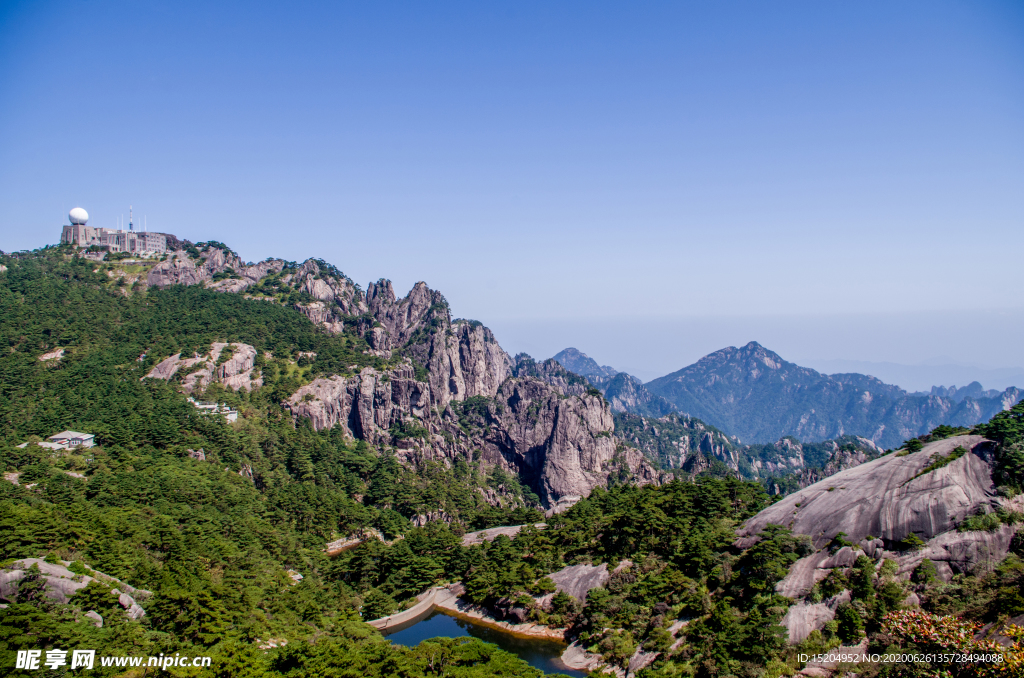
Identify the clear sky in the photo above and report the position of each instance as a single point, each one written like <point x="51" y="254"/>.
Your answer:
<point x="644" y="181"/>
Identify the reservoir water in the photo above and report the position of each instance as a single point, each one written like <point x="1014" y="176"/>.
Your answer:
<point x="537" y="652"/>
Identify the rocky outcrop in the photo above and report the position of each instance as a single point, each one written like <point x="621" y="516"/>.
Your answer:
<point x="626" y="393"/>
<point x="492" y="533"/>
<point x="676" y="441"/>
<point x="61" y="584"/>
<point x="561" y="446"/>
<point x="957" y="552"/>
<point x="182" y="269"/>
<point x="553" y="374"/>
<point x="842" y="458"/>
<point x="803" y="618"/>
<point x="578" y="580"/>
<point x="890" y="497"/>
<point x="366" y="405"/>
<point x="237" y="372"/>
<point x="539" y="421"/>
<point x="582" y="364"/>
<point x="874" y="507"/>
<point x="55" y="354"/>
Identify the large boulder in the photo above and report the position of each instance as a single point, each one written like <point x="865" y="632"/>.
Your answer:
<point x="889" y="498"/>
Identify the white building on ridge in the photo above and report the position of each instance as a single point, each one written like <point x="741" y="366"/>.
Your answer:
<point x="143" y="243"/>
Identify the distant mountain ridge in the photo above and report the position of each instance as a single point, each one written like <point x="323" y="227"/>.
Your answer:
<point x="751" y="392"/>
<point x="582" y="364"/>
<point x="624" y="392"/>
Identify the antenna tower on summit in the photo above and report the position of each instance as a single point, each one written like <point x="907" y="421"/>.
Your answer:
<point x="130" y="225"/>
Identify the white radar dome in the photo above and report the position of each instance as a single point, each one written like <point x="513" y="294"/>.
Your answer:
<point x="78" y="216"/>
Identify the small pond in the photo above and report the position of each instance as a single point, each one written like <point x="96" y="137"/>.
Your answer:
<point x="537" y="652"/>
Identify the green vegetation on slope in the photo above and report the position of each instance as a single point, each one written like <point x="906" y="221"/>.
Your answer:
<point x="213" y="539"/>
<point x="211" y="543"/>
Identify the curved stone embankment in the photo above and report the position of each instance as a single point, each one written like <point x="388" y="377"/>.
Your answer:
<point x="446" y="598"/>
<point x="456" y="607"/>
<point x="422" y="608"/>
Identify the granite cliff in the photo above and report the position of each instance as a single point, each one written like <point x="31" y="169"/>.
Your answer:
<point x="449" y="390"/>
<point x="905" y="507"/>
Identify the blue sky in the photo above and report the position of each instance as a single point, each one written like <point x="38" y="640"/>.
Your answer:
<point x="815" y="176"/>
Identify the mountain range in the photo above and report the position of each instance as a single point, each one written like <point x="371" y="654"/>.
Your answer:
<point x="754" y="394"/>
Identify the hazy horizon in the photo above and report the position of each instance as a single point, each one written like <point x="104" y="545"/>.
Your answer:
<point x="647" y="184"/>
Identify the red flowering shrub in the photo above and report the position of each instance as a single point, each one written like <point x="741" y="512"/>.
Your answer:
<point x="945" y="647"/>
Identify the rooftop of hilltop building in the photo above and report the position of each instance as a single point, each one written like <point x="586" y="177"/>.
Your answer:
<point x="142" y="243"/>
<point x="65" y="440"/>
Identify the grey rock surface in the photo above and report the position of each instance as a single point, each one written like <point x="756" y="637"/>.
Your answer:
<point x="236" y="373"/>
<point x="538" y="422"/>
<point x="577" y="580"/>
<point x="887" y="498"/>
<point x="803" y="618"/>
<point x="492" y="533"/>
<point x="62" y="584"/>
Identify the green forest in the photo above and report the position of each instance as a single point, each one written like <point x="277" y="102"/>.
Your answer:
<point x="214" y="539"/>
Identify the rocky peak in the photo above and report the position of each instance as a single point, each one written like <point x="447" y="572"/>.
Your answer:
<point x="576" y="361"/>
<point x="421" y="309"/>
<point x="627" y="394"/>
<point x="755" y="394"/>
<point x="539" y="420"/>
<point x="552" y="373"/>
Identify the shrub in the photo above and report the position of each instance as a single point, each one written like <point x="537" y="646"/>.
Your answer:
<point x="911" y="543"/>
<point x="850" y="623"/>
<point x="377" y="604"/>
<point x="925" y="573"/>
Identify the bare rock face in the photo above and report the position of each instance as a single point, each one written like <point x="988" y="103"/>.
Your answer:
<point x="61" y="584"/>
<point x="877" y="505"/>
<point x="366" y="405"/>
<point x="890" y="497"/>
<point x="330" y="286"/>
<point x="577" y="580"/>
<point x="181" y="269"/>
<point x="960" y="552"/>
<point x="235" y="373"/>
<point x="542" y="424"/>
<point x="551" y="372"/>
<point x="492" y="533"/>
<point x="322" y="314"/>
<point x="561" y="446"/>
<point x="803" y="618"/>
